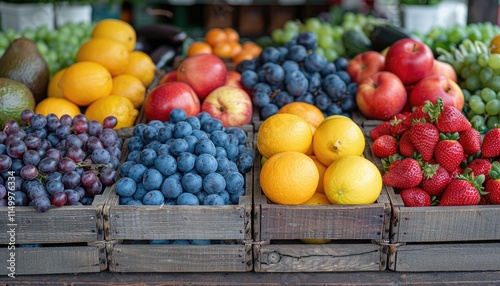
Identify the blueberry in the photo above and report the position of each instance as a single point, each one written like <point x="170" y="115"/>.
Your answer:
<point x="282" y="98"/>
<point x="182" y="129"/>
<point x="263" y="87"/>
<point x="139" y="192"/>
<point x="270" y="54"/>
<point x="178" y="146"/>
<point x="147" y="157"/>
<point x="232" y="151"/>
<point x="149" y="134"/>
<point x="249" y="78"/>
<point x="125" y="187"/>
<point x="212" y="125"/>
<point x="283" y="52"/>
<point x="194" y="122"/>
<point x="297" y="53"/>
<point x="347" y="103"/>
<point x="152" y="179"/>
<point x="246" y="150"/>
<point x="171" y="188"/>
<point x="192" y="183"/>
<point x="200" y="242"/>
<point x="315" y="62"/>
<point x="307" y="98"/>
<point x="219" y="138"/>
<point x="344" y="76"/>
<point x="308" y="40"/>
<point x="191" y="140"/>
<point x="234" y="181"/>
<point x="157" y="124"/>
<point x="214" y="183"/>
<point x="135" y="143"/>
<point x="222" y="165"/>
<point x="165" y="164"/>
<point x="274" y="73"/>
<point x="334" y="109"/>
<point x="240" y="134"/>
<point x="165" y="133"/>
<point x="244" y="163"/>
<point x="134" y="203"/>
<point x="322" y="101"/>
<point x="329" y="68"/>
<point x="334" y="86"/>
<point x="204" y="146"/>
<point x="163" y="149"/>
<point x="352" y="89"/>
<point x="244" y="65"/>
<point x="235" y="198"/>
<point x="289" y="65"/>
<point x="124" y="200"/>
<point x="220" y="152"/>
<point x="177" y="115"/>
<point x="226" y="197"/>
<point x="199" y="134"/>
<point x="133" y="155"/>
<point x="201" y="195"/>
<point x="136" y="172"/>
<point x="213" y="199"/>
<point x="206" y="164"/>
<point x="153" y="197"/>
<point x="341" y="63"/>
<point x="180" y="241"/>
<point x="187" y="199"/>
<point x="159" y="241"/>
<point x="314" y="84"/>
<point x="138" y="129"/>
<point x="233" y="167"/>
<point x="203" y="116"/>
<point x="186" y="161"/>
<point x="260" y="99"/>
<point x="296" y="83"/>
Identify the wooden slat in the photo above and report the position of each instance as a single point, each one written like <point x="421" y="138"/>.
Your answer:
<point x="56" y="260"/>
<point x="448" y="257"/>
<point x="180" y="258"/>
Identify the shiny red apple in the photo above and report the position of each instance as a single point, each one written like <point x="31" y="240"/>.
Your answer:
<point x="165" y="97"/>
<point x="203" y="72"/>
<point x="434" y="86"/>
<point x="168" y="77"/>
<point x="443" y="68"/>
<point x="381" y="96"/>
<point x="233" y="79"/>
<point x="231" y="105"/>
<point x="365" y="64"/>
<point x="410" y="60"/>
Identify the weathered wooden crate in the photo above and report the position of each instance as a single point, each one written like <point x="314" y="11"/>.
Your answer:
<point x="461" y="238"/>
<point x="71" y="239"/>
<point x="356" y="232"/>
<point x="228" y="227"/>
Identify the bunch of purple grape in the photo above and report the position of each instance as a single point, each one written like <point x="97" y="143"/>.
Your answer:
<point x="46" y="160"/>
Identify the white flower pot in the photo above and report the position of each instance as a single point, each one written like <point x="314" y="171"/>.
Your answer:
<point x="420" y="17"/>
<point x="20" y="16"/>
<point x="75" y="13"/>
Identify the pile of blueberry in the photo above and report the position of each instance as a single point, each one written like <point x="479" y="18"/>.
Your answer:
<point x="185" y="161"/>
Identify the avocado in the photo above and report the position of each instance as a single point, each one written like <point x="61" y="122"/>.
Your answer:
<point x="14" y="98"/>
<point x="23" y="62"/>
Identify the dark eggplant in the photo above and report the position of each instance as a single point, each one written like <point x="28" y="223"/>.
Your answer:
<point x="160" y="34"/>
<point x="382" y="36"/>
<point x="163" y="55"/>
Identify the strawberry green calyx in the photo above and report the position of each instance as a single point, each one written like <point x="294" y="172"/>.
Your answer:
<point x="475" y="181"/>
<point x="429" y="170"/>
<point x="386" y="162"/>
<point x="495" y="170"/>
<point x="434" y="110"/>
<point x="449" y="136"/>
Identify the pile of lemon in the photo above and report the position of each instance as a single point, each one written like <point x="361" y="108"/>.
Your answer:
<point x="309" y="159"/>
<point x="108" y="78"/>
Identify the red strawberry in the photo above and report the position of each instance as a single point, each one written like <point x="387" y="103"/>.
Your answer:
<point x="456" y="172"/>
<point x="491" y="144"/>
<point x="470" y="141"/>
<point x="406" y="148"/>
<point x="417" y="114"/>
<point x="385" y="146"/>
<point x="464" y="190"/>
<point x="398" y="128"/>
<point x="451" y="120"/>
<point x="406" y="174"/>
<point x="415" y="197"/>
<point x="424" y="137"/>
<point x="448" y="152"/>
<point x="480" y="166"/>
<point x="492" y="187"/>
<point x="436" y="178"/>
<point x="383" y="128"/>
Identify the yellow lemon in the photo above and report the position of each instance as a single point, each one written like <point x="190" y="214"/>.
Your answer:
<point x="116" y="29"/>
<point x="131" y="87"/>
<point x="58" y="106"/>
<point x="53" y="89"/>
<point x="115" y="105"/>
<point x="142" y="66"/>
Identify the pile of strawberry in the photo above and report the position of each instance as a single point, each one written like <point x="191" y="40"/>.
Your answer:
<point x="433" y="156"/>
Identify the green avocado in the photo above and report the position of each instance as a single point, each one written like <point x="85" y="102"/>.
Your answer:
<point x="14" y="98"/>
<point x="23" y="62"/>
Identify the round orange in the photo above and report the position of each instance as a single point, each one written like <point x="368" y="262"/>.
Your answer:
<point x="214" y="36"/>
<point x="289" y="178"/>
<point x="142" y="66"/>
<point x="53" y="89"/>
<point x="130" y="87"/>
<point x="309" y="112"/>
<point x="116" y="29"/>
<point x="110" y="53"/>
<point x="231" y="35"/>
<point x="252" y="48"/>
<point x="235" y="48"/>
<point x="321" y="169"/>
<point x="242" y="56"/>
<point x="223" y="50"/>
<point x="199" y="47"/>
<point x="58" y="106"/>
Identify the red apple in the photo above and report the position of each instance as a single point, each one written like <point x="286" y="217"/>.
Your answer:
<point x="410" y="60"/>
<point x="170" y="76"/>
<point x="231" y="105"/>
<point x="365" y="64"/>
<point x="443" y="68"/>
<point x="233" y="79"/>
<point x="434" y="86"/>
<point x="165" y="97"/>
<point x="203" y="72"/>
<point x="381" y="96"/>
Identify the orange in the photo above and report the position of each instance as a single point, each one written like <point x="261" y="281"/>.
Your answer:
<point x="116" y="29"/>
<point x="110" y="53"/>
<point x="252" y="48"/>
<point x="214" y="36"/>
<point x="142" y="66"/>
<point x="336" y="137"/>
<point x="243" y="55"/>
<point x="310" y="151"/>
<point x="231" y="35"/>
<point x="58" y="106"/>
<point x="495" y="44"/>
<point x="283" y="132"/>
<point x="235" y="48"/>
<point x="199" y="47"/>
<point x="289" y="178"/>
<point x="317" y="199"/>
<point x="223" y="50"/>
<point x="85" y="82"/>
<point x="321" y="169"/>
<point x="131" y="87"/>
<point x="116" y="105"/>
<point x="53" y="89"/>
<point x="309" y="112"/>
<point x="352" y="180"/>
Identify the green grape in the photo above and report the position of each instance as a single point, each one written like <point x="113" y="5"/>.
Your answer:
<point x="292" y="26"/>
<point x="482" y="60"/>
<point x="331" y="55"/>
<point x="472" y="82"/>
<point x="488" y="94"/>
<point x="320" y="51"/>
<point x="337" y="32"/>
<point x="4" y="42"/>
<point x="485" y="75"/>
<point x="478" y="122"/>
<point x="476" y="104"/>
<point x="471" y="114"/>
<point x="458" y="66"/>
<point x="475" y="34"/>
<point x="325" y="30"/>
<point x="42" y="47"/>
<point x="466" y="94"/>
<point x="42" y="32"/>
<point x="326" y="42"/>
<point x="494" y="61"/>
<point x="313" y="24"/>
<point x="470" y="59"/>
<point x="11" y="34"/>
<point x="465" y="72"/>
<point x="457" y="34"/>
<point x="493" y="107"/>
<point x="474" y="68"/>
<point x="492" y="122"/>
<point x="494" y="83"/>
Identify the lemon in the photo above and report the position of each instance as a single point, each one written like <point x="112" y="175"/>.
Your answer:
<point x="116" y="105"/>
<point x="58" y="106"/>
<point x="53" y="89"/>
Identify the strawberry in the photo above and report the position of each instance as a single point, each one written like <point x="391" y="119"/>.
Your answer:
<point x="398" y="128"/>
<point x="436" y="178"/>
<point x="470" y="141"/>
<point x="390" y="162"/>
<point x="406" y="174"/>
<point x="406" y="148"/>
<point x="383" y="128"/>
<point x="456" y="172"/>
<point x="448" y="152"/>
<point x="424" y="137"/>
<point x="480" y="166"/>
<point x="492" y="187"/>
<point x="417" y="114"/>
<point x="450" y="119"/>
<point x="463" y="190"/>
<point x="385" y="146"/>
<point x="415" y="197"/>
<point x="491" y="143"/>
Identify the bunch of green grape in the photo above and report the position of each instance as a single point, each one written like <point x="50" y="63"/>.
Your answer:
<point x="478" y="74"/>
<point x="58" y="46"/>
<point x="329" y="35"/>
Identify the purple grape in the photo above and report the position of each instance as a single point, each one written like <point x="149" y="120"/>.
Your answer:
<point x="71" y="180"/>
<point x="41" y="204"/>
<point x="95" y="128"/>
<point x="54" y="153"/>
<point x="29" y="172"/>
<point x="110" y="122"/>
<point x="5" y="162"/>
<point x="107" y="137"/>
<point x="88" y="178"/>
<point x="73" y="197"/>
<point x="63" y="131"/>
<point x="79" y="117"/>
<point x="37" y="190"/>
<point x="3" y="136"/>
<point x="26" y="115"/>
<point x="100" y="156"/>
<point x="16" y="149"/>
<point x="38" y="121"/>
<point x="54" y="186"/>
<point x="74" y="140"/>
<point x="80" y="126"/>
<point x="94" y="189"/>
<point x="108" y="176"/>
<point x="3" y="191"/>
<point x="11" y="127"/>
<point x="75" y="153"/>
<point x="66" y="165"/>
<point x="32" y="141"/>
<point x="94" y="143"/>
<point x="47" y="165"/>
<point x="59" y="199"/>
<point x="66" y="120"/>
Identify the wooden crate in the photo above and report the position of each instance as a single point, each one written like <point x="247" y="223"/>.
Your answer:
<point x="230" y="224"/>
<point x="71" y="239"/>
<point x="356" y="232"/>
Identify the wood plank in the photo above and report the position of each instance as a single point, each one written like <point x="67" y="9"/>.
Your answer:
<point x="448" y="257"/>
<point x="321" y="258"/>
<point x="180" y="258"/>
<point x="56" y="260"/>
